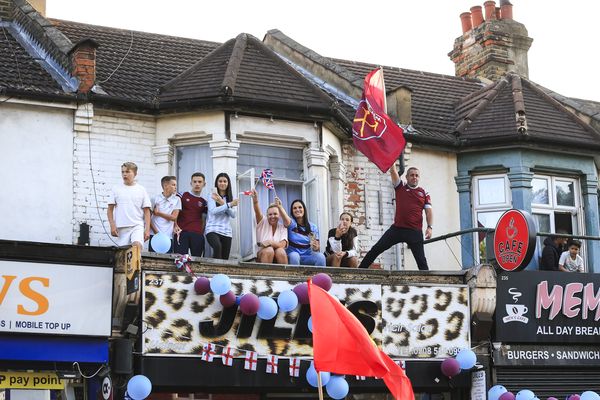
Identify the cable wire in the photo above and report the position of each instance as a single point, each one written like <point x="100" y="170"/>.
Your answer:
<point x="121" y="62"/>
<point x="76" y="364"/>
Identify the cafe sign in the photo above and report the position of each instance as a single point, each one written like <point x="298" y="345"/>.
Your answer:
<point x="548" y="307"/>
<point x="514" y="240"/>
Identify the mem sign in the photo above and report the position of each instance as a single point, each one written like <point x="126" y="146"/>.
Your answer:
<point x="514" y="240"/>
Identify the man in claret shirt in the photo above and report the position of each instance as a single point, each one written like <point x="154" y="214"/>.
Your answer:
<point x="189" y="232"/>
<point x="411" y="200"/>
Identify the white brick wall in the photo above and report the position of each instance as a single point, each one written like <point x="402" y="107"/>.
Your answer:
<point x="114" y="139"/>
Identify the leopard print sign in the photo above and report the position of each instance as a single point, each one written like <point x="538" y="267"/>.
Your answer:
<point x="407" y="321"/>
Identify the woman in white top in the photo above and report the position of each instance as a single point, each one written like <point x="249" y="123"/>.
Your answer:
<point x="342" y="244"/>
<point x="220" y="212"/>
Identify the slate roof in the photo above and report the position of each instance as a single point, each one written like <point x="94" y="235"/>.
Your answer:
<point x="21" y="73"/>
<point x="433" y="96"/>
<point x="244" y="70"/>
<point x="514" y="109"/>
<point x="152" y="60"/>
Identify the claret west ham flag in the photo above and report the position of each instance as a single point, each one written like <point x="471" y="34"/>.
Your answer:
<point x="373" y="131"/>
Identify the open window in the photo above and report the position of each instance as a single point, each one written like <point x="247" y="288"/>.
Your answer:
<point x="312" y="195"/>
<point x="247" y="221"/>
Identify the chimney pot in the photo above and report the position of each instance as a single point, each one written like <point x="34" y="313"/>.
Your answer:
<point x="465" y="19"/>
<point x="498" y="15"/>
<point x="506" y="9"/>
<point x="490" y="10"/>
<point x="476" y="16"/>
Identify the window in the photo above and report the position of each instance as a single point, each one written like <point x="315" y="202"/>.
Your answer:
<point x="491" y="198"/>
<point x="190" y="159"/>
<point x="555" y="205"/>
<point x="288" y="173"/>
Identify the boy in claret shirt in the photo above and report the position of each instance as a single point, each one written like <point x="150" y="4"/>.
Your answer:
<point x="189" y="231"/>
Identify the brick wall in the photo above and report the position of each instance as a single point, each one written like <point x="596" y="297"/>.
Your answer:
<point x="363" y="182"/>
<point x="114" y="138"/>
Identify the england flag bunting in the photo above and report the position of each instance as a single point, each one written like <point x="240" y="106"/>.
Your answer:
<point x="272" y="364"/>
<point x="227" y="356"/>
<point x="208" y="352"/>
<point x="360" y="378"/>
<point x="294" y="367"/>
<point x="251" y="360"/>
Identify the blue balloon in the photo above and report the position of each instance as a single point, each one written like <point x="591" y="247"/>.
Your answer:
<point x="310" y="324"/>
<point x="525" y="394"/>
<point x="466" y="358"/>
<point x="139" y="387"/>
<point x="161" y="243"/>
<point x="267" y="308"/>
<point x="496" y="391"/>
<point x="337" y="387"/>
<point x="589" y="395"/>
<point x="311" y="376"/>
<point x="287" y="300"/>
<point x="220" y="284"/>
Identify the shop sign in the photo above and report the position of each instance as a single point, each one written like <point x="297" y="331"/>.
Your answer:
<point x="514" y="240"/>
<point x="551" y="356"/>
<point x="548" y="307"/>
<point x="55" y="299"/>
<point x="30" y="380"/>
<point x="410" y="321"/>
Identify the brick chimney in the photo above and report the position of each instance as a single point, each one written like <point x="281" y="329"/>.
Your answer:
<point x="492" y="47"/>
<point x="83" y="61"/>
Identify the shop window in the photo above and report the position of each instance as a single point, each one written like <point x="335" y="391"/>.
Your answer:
<point x="491" y="198"/>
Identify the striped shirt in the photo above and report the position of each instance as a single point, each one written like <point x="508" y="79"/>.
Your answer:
<point x="219" y="218"/>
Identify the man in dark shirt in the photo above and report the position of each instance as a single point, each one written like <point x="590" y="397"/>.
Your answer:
<point x="411" y="200"/>
<point x="551" y="253"/>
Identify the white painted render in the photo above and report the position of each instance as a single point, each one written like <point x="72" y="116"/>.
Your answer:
<point x="36" y="147"/>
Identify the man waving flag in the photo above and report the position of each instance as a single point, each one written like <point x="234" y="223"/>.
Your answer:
<point x="373" y="131"/>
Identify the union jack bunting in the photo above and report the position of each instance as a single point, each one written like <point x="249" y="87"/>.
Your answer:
<point x="227" y="356"/>
<point x="251" y="360"/>
<point x="267" y="178"/>
<point x="294" y="367"/>
<point x="208" y="352"/>
<point x="272" y="364"/>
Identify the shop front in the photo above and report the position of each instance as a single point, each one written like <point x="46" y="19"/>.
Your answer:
<point x="547" y="332"/>
<point x="192" y="343"/>
<point x="55" y="320"/>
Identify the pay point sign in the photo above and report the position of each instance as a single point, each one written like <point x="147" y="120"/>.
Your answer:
<point x="30" y="380"/>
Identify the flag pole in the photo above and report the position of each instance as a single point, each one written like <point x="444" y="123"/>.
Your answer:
<point x="320" y="385"/>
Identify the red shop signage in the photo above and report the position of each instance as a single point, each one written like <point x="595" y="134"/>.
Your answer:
<point x="514" y="240"/>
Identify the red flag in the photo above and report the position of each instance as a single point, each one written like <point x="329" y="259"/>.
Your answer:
<point x="373" y="131"/>
<point x="341" y="345"/>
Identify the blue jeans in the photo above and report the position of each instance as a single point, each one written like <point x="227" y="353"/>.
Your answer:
<point x="314" y="258"/>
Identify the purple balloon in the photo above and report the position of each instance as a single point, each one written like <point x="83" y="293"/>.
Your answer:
<point x="322" y="280"/>
<point x="301" y="291"/>
<point x="228" y="299"/>
<point x="574" y="397"/>
<point x="507" y="396"/>
<point x="551" y="398"/>
<point x="202" y="285"/>
<point x="249" y="304"/>
<point x="450" y="367"/>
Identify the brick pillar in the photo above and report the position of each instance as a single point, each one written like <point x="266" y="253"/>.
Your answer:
<point x="83" y="62"/>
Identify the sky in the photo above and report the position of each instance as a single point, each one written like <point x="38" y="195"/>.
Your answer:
<point x="411" y="34"/>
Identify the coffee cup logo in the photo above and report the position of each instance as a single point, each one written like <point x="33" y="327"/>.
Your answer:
<point x="515" y="312"/>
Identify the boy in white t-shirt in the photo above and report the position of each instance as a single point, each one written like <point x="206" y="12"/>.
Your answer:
<point x="165" y="209"/>
<point x="571" y="261"/>
<point x="129" y="209"/>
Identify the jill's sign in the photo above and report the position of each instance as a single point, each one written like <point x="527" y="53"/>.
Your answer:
<point x="55" y="299"/>
<point x="409" y="321"/>
<point x="514" y="240"/>
<point x="548" y="307"/>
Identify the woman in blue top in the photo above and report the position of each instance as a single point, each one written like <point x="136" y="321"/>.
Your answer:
<point x="220" y="212"/>
<point x="303" y="237"/>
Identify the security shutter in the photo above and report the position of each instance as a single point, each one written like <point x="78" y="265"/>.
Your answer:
<point x="545" y="382"/>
